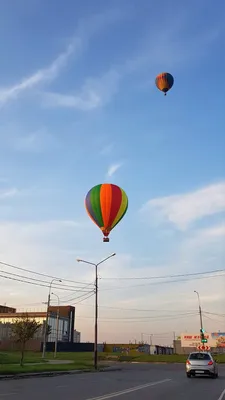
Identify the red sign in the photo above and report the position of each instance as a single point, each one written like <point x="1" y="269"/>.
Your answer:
<point x="203" y="348"/>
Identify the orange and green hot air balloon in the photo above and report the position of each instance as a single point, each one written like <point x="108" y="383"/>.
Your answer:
<point x="106" y="205"/>
<point x="164" y="82"/>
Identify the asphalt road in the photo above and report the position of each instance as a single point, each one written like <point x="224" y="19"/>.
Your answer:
<point x="133" y="382"/>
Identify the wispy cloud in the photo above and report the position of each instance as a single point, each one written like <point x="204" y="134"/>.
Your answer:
<point x="14" y="192"/>
<point x="94" y="94"/>
<point x="215" y="232"/>
<point x="86" y="29"/>
<point x="113" y="168"/>
<point x="35" y="141"/>
<point x="8" y="193"/>
<point x="46" y="74"/>
<point x="97" y="92"/>
<point x="182" y="210"/>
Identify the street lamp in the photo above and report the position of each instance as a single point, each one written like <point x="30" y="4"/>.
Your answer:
<point x="96" y="304"/>
<point x="46" y="324"/>
<point x="57" y="326"/>
<point x="200" y="310"/>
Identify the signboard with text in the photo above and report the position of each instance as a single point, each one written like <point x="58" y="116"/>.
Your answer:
<point x="215" y="339"/>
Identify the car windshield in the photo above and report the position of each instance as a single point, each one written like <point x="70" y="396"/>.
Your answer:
<point x="199" y="356"/>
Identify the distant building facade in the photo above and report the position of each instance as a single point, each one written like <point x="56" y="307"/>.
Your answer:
<point x="65" y="327"/>
<point x="76" y="336"/>
<point x="7" y="310"/>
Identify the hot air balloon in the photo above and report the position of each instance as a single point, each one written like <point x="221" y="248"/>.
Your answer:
<point x="106" y="205"/>
<point x="164" y="82"/>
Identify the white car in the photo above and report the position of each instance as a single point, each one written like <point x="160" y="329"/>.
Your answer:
<point x="201" y="363"/>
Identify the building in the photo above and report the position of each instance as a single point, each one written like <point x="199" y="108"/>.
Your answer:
<point x="5" y="310"/>
<point x="137" y="348"/>
<point x="76" y="336"/>
<point x="65" y="325"/>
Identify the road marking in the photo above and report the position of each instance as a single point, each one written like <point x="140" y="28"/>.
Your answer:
<point x="7" y="394"/>
<point x="133" y="389"/>
<point x="61" y="386"/>
<point x="221" y="396"/>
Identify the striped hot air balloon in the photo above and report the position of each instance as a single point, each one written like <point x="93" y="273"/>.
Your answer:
<point x="164" y="82"/>
<point x="106" y="204"/>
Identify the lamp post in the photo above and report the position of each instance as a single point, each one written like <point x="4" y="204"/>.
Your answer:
<point x="96" y="304"/>
<point x="46" y="324"/>
<point x="57" y="327"/>
<point x="200" y="309"/>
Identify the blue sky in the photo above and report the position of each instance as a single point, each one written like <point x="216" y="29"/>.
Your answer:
<point x="79" y="107"/>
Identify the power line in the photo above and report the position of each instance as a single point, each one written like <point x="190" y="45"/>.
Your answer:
<point x="36" y="284"/>
<point x="160" y="283"/>
<point x="63" y="301"/>
<point x="166" y="276"/>
<point x="41" y="280"/>
<point x="213" y="319"/>
<point x="138" y="309"/>
<point x="220" y="315"/>
<point x="90" y="295"/>
<point x="145" y="317"/>
<point x="39" y="273"/>
<point x="140" y="321"/>
<point x="75" y="298"/>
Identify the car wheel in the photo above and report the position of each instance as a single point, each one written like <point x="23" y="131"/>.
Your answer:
<point x="188" y="375"/>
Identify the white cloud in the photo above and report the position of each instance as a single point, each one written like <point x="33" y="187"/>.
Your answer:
<point x="184" y="209"/>
<point x="94" y="93"/>
<point x="46" y="74"/>
<point x="214" y="232"/>
<point x="35" y="141"/>
<point x="97" y="92"/>
<point x="12" y="192"/>
<point x="86" y="30"/>
<point x="8" y="193"/>
<point x="113" y="168"/>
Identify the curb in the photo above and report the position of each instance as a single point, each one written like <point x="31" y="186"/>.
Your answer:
<point x="55" y="373"/>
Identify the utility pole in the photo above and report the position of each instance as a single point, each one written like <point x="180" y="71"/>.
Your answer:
<point x="202" y="331"/>
<point x="96" y="317"/>
<point x="96" y="304"/>
<point x="47" y="316"/>
<point x="57" y="327"/>
<point x="200" y="310"/>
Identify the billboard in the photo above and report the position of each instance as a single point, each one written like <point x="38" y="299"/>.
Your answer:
<point x="215" y="339"/>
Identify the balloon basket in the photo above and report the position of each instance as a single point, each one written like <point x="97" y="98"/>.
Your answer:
<point x="105" y="239"/>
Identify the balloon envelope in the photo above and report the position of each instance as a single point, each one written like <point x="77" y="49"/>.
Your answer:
<point x="106" y="204"/>
<point x="164" y="81"/>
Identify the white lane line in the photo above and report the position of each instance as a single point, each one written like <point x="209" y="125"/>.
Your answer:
<point x="222" y="395"/>
<point x="133" y="389"/>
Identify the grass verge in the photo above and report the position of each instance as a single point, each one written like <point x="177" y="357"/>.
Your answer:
<point x="9" y="361"/>
<point x="13" y="357"/>
<point x="174" y="358"/>
<point x="16" y="369"/>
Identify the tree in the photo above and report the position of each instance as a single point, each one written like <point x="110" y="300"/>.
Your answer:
<point x="24" y="329"/>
